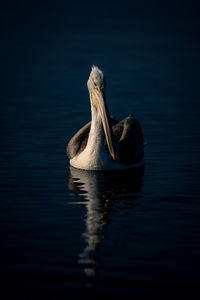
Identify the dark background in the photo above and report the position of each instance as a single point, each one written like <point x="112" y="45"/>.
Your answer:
<point x="82" y="234"/>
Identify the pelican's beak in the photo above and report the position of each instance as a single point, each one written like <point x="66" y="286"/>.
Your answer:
<point x="98" y="101"/>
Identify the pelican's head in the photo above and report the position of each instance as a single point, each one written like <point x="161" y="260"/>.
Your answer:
<point x="96" y="80"/>
<point x="96" y="86"/>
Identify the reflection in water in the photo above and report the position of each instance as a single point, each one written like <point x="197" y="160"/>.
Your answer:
<point x="97" y="191"/>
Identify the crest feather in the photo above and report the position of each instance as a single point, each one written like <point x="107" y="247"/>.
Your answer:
<point x="96" y="73"/>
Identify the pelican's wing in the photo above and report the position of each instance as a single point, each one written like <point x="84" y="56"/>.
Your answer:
<point x="129" y="140"/>
<point x="78" y="142"/>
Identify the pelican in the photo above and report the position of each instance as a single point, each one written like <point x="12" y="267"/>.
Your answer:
<point x="104" y="143"/>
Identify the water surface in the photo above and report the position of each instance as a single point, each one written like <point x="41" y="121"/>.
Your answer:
<point x="69" y="232"/>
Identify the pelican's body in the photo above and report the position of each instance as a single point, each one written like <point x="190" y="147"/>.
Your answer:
<point x="104" y="143"/>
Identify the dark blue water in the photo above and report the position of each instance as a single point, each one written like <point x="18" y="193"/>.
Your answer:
<point x="65" y="232"/>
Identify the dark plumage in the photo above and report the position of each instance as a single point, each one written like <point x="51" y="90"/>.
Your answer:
<point x="127" y="135"/>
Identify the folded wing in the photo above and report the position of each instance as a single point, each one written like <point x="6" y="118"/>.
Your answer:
<point x="129" y="140"/>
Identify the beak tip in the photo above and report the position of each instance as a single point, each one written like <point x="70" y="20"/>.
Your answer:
<point x="113" y="156"/>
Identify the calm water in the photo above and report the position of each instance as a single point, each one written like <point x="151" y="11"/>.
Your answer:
<point x="67" y="232"/>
